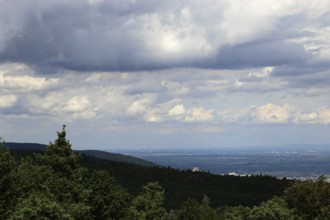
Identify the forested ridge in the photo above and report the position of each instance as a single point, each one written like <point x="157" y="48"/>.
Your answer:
<point x="22" y="149"/>
<point x="62" y="184"/>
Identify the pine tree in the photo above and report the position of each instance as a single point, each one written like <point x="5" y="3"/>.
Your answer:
<point x="67" y="181"/>
<point x="60" y="155"/>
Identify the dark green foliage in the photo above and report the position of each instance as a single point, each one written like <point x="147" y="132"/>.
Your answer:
<point x="149" y="205"/>
<point x="205" y="209"/>
<point x="192" y="210"/>
<point x="310" y="199"/>
<point x="53" y="182"/>
<point x="233" y="213"/>
<point x="274" y="209"/>
<point x="108" y="200"/>
<point x="60" y="156"/>
<point x="60" y="184"/>
<point x="54" y="185"/>
<point x="189" y="210"/>
<point x="180" y="185"/>
<point x="7" y="181"/>
<point x="39" y="206"/>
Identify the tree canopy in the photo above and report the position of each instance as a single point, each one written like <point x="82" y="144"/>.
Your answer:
<point x="56" y="184"/>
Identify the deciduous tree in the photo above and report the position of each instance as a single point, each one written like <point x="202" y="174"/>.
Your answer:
<point x="149" y="205"/>
<point x="7" y="181"/>
<point x="310" y="199"/>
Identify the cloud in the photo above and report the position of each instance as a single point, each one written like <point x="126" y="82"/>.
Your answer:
<point x="26" y="83"/>
<point x="177" y="110"/>
<point x="199" y="114"/>
<point x="142" y="35"/>
<point x="318" y="116"/>
<point x="260" y="54"/>
<point x="77" y="104"/>
<point x="325" y="115"/>
<point x="196" y="114"/>
<point x="259" y="82"/>
<point x="164" y="67"/>
<point x="323" y="55"/>
<point x="232" y="115"/>
<point x="141" y="105"/>
<point x="7" y="101"/>
<point x="20" y="78"/>
<point x="174" y="88"/>
<point x="271" y="113"/>
<point x="169" y="96"/>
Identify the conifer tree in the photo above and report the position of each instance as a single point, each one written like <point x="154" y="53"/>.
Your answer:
<point x="68" y="176"/>
<point x="60" y="155"/>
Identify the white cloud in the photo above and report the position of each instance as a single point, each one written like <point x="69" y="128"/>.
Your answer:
<point x="27" y="83"/>
<point x="306" y="117"/>
<point x="77" y="104"/>
<point x="177" y="110"/>
<point x="199" y="115"/>
<point x="262" y="74"/>
<point x="21" y="78"/>
<point x="323" y="55"/>
<point x="137" y="107"/>
<point x="314" y="116"/>
<point x="325" y="115"/>
<point x="271" y="113"/>
<point x="238" y="19"/>
<point x="141" y="105"/>
<point x="152" y="118"/>
<point x="7" y="101"/>
<point x="52" y="102"/>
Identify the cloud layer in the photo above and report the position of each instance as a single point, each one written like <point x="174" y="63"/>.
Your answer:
<point x="142" y="35"/>
<point x="162" y="96"/>
<point x="166" y="69"/>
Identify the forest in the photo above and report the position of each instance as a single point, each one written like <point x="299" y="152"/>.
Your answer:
<point x="59" y="183"/>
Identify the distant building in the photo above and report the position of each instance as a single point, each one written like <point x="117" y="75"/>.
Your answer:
<point x="196" y="169"/>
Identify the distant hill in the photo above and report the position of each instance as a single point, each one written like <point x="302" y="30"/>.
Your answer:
<point x="25" y="146"/>
<point x="116" y="157"/>
<point x="179" y="185"/>
<point x="93" y="153"/>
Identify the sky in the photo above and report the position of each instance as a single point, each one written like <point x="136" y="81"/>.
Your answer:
<point x="131" y="74"/>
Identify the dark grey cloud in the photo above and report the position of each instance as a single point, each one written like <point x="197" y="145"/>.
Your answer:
<point x="316" y="80"/>
<point x="145" y="35"/>
<point x="259" y="54"/>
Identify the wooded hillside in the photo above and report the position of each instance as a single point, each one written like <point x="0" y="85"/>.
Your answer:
<point x="62" y="184"/>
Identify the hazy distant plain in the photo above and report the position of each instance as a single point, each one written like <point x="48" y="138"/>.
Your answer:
<point x="293" y="163"/>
